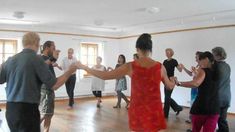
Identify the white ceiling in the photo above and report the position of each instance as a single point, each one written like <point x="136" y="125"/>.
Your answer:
<point x="116" y="15"/>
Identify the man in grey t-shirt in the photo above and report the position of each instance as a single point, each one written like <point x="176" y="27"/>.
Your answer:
<point x="24" y="74"/>
<point x="223" y="83"/>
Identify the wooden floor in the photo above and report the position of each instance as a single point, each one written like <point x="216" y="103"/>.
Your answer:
<point x="85" y="117"/>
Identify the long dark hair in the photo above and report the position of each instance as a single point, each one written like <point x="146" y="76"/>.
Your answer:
<point x="211" y="58"/>
<point x="123" y="57"/>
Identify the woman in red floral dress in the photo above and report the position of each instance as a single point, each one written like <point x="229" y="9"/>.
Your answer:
<point x="145" y="111"/>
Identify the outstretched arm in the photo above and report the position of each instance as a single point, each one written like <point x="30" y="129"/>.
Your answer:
<point x="197" y="81"/>
<point x="179" y="67"/>
<point x="106" y="75"/>
<point x="190" y="73"/>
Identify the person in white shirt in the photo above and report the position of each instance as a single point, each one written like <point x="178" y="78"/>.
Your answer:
<point x="97" y="84"/>
<point x="70" y="83"/>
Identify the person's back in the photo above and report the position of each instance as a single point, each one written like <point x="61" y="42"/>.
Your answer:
<point x="20" y="68"/>
<point x="145" y="110"/>
<point x="223" y="83"/>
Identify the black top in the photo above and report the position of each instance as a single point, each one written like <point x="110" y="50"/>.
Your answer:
<point x="206" y="102"/>
<point x="50" y="66"/>
<point x="170" y="66"/>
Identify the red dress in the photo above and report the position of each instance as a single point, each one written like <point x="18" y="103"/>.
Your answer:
<point x="145" y="111"/>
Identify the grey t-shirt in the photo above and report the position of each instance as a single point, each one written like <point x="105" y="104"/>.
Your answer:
<point x="223" y="83"/>
<point x="24" y="74"/>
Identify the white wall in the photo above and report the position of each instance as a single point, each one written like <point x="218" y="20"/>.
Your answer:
<point x="63" y="42"/>
<point x="185" y="44"/>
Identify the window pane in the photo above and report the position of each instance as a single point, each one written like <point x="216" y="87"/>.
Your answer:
<point x="84" y="50"/>
<point x="9" y="47"/>
<point x="84" y="59"/>
<point x="91" y="60"/>
<point x="1" y="59"/>
<point x="91" y="51"/>
<point x="1" y="47"/>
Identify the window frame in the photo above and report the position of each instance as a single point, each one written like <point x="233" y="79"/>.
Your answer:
<point x="87" y="45"/>
<point x="3" y="53"/>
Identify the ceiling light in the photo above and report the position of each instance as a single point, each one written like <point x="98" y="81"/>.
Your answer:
<point x="16" y="21"/>
<point x="99" y="22"/>
<point x="152" y="10"/>
<point x="19" y="14"/>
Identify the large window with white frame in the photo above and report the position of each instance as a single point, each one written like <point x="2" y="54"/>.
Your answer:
<point x="89" y="53"/>
<point x="8" y="48"/>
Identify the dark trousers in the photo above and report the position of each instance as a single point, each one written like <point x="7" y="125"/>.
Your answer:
<point x="120" y="95"/>
<point x="222" y="122"/>
<point x="97" y="93"/>
<point x="23" y="117"/>
<point x="169" y="102"/>
<point x="70" y="84"/>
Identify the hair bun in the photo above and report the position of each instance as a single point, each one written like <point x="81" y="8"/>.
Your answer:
<point x="144" y="42"/>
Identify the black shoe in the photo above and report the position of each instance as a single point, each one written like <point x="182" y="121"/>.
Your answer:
<point x="178" y="111"/>
<point x="127" y="105"/>
<point x="188" y="121"/>
<point x="188" y="130"/>
<point x="117" y="106"/>
<point x="98" y="105"/>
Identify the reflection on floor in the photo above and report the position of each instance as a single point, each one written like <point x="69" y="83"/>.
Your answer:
<point x="85" y="117"/>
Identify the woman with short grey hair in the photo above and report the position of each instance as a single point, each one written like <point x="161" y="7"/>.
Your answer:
<point x="223" y="83"/>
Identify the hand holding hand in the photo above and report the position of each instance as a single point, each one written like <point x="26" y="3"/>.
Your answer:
<point x="80" y="65"/>
<point x="172" y="79"/>
<point x="181" y="66"/>
<point x="55" y="65"/>
<point x="109" y="69"/>
<point x="177" y="82"/>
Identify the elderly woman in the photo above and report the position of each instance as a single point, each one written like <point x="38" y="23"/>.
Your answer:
<point x="170" y="64"/>
<point x="223" y="83"/>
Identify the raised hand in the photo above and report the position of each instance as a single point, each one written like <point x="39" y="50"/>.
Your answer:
<point x="181" y="66"/>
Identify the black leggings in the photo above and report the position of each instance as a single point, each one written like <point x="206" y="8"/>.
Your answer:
<point x="97" y="93"/>
<point x="70" y="84"/>
<point x="169" y="102"/>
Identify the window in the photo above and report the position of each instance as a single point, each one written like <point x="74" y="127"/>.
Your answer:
<point x="8" y="48"/>
<point x="89" y="53"/>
